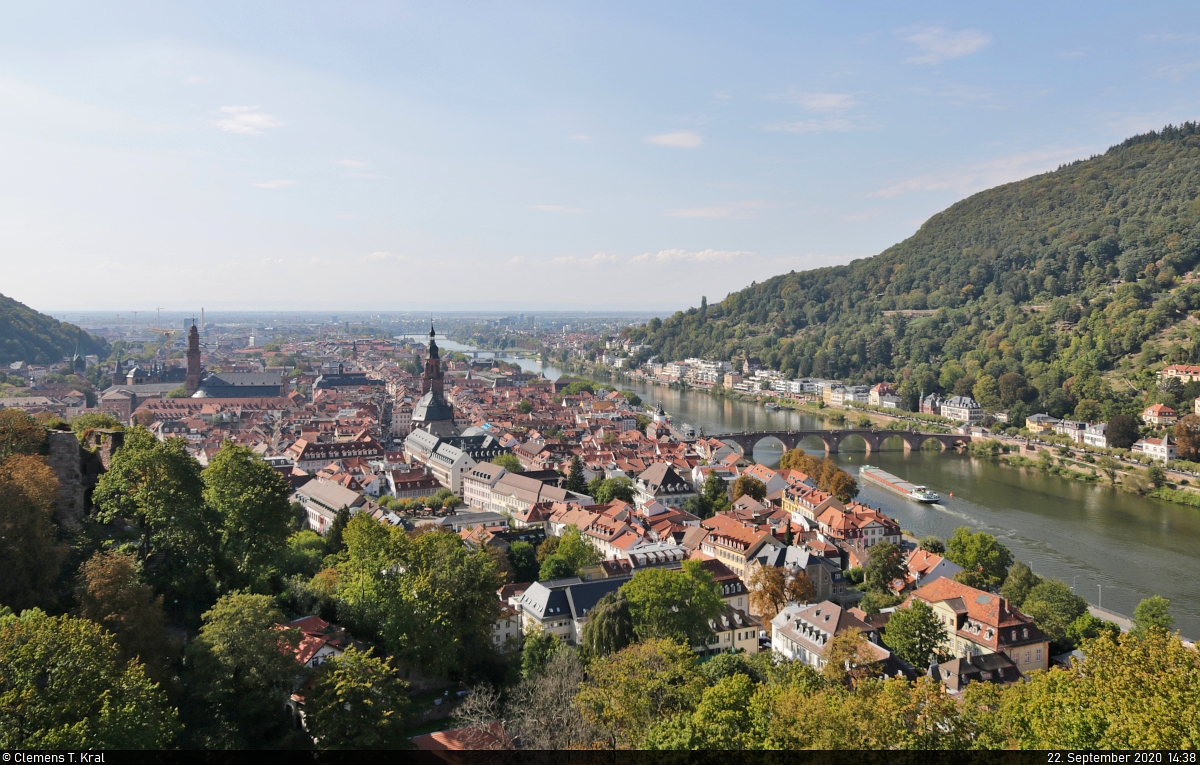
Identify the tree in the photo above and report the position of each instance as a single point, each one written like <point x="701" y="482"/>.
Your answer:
<point x="252" y="500"/>
<point x="1157" y="476"/>
<point x="1088" y="627"/>
<point x="357" y="702"/>
<point x="916" y="634"/>
<point x="610" y="625"/>
<point x="1053" y="607"/>
<point x="986" y="391"/>
<point x="20" y="434"/>
<point x="800" y="588"/>
<point x="242" y="668"/>
<point x="1130" y="692"/>
<point x="749" y="485"/>
<point x="985" y="561"/>
<point x="91" y="420"/>
<point x="333" y="537"/>
<point x="577" y="550"/>
<point x="722" y="720"/>
<point x="768" y="590"/>
<point x="933" y="545"/>
<point x="1020" y="581"/>
<point x="1109" y="467"/>
<point x="556" y="567"/>
<point x="848" y="658"/>
<point x="500" y="560"/>
<point x="548" y="547"/>
<point x="29" y="542"/>
<point x="306" y="553"/>
<point x="539" y="646"/>
<point x="524" y="406"/>
<point x="63" y="685"/>
<point x="605" y="490"/>
<point x="885" y="565"/>
<point x="430" y="598"/>
<point x="630" y="691"/>
<point x="1187" y="437"/>
<point x="1122" y="431"/>
<point x="575" y="481"/>
<point x="157" y="486"/>
<point x="523" y="558"/>
<point x="673" y="604"/>
<point x="109" y="593"/>
<point x="509" y="462"/>
<point x="843" y="486"/>
<point x="1153" y="613"/>
<point x="1014" y="388"/>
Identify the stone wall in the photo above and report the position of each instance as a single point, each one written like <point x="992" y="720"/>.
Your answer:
<point x="78" y="468"/>
<point x="66" y="460"/>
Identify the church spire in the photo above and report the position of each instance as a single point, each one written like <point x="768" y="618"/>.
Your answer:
<point x="433" y="349"/>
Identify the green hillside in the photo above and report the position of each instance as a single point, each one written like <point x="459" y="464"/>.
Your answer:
<point x="26" y="335"/>
<point x="1077" y="281"/>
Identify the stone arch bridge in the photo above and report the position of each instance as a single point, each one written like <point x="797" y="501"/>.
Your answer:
<point x="833" y="438"/>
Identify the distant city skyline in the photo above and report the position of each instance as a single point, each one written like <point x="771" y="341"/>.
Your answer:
<point x="623" y="156"/>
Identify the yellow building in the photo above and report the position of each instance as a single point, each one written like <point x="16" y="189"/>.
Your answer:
<point x="979" y="623"/>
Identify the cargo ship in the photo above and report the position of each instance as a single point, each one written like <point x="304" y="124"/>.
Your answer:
<point x="900" y="486"/>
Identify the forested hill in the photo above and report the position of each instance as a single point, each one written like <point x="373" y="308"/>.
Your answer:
<point x="1026" y="273"/>
<point x="26" y="335"/>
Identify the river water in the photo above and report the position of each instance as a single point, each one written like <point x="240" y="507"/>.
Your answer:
<point x="1114" y="548"/>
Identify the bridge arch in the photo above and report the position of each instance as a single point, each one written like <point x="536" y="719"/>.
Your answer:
<point x="849" y="440"/>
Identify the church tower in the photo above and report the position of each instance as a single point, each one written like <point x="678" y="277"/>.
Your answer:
<point x="431" y="412"/>
<point x="193" y="360"/>
<point x="432" y="380"/>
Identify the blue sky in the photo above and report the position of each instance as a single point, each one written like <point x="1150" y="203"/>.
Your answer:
<point x="623" y="155"/>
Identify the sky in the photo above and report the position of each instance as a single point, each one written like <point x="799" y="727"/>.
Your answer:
<point x="396" y="156"/>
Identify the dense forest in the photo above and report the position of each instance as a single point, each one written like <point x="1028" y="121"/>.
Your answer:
<point x="26" y="335"/>
<point x="1077" y="281"/>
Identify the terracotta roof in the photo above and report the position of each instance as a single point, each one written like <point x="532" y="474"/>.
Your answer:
<point x="461" y="739"/>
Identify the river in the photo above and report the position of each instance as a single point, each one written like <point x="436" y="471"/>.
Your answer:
<point x="1114" y="548"/>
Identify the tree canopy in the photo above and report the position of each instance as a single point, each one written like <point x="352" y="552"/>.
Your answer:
<point x="64" y="685"/>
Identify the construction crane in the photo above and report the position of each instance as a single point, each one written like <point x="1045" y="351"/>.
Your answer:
<point x="166" y="333"/>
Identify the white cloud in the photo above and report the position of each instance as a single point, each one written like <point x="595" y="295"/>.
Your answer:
<point x="722" y="95"/>
<point x="581" y="138"/>
<point x="353" y="164"/>
<point x="559" y="209"/>
<point x="599" y="259"/>
<point x="349" y="215"/>
<point x="732" y="211"/>
<point x="938" y="44"/>
<point x="246" y="120"/>
<point x="983" y="175"/>
<point x="688" y="256"/>
<point x="811" y="126"/>
<point x="278" y="184"/>
<point x="1179" y="69"/>
<point x="837" y="103"/>
<point x="369" y="176"/>
<point x="681" y="139"/>
<point x="194" y="80"/>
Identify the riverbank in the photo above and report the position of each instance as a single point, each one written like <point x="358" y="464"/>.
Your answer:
<point x="1124" y="476"/>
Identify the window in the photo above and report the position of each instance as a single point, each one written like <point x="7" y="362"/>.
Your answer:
<point x="1038" y="655"/>
<point x="1027" y="657"/>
